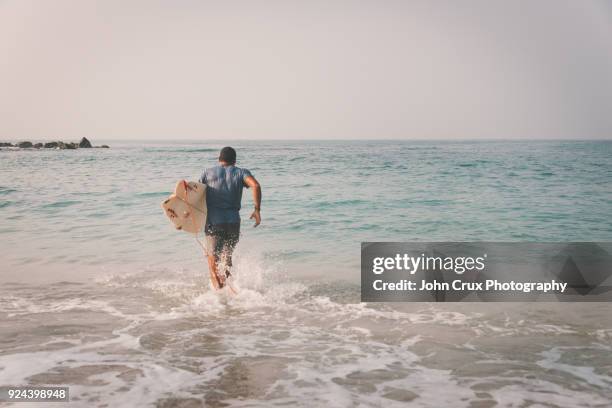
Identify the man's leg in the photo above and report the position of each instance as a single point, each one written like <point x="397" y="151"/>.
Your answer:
<point x="230" y="240"/>
<point x="214" y="276"/>
<point x="214" y="244"/>
<point x="225" y="261"/>
<point x="220" y="241"/>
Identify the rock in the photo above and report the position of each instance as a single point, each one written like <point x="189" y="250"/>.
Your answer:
<point x="6" y="144"/>
<point x="51" y="145"/>
<point x="38" y="145"/>
<point x="84" y="143"/>
<point x="70" y="146"/>
<point x="24" y="145"/>
<point x="105" y="147"/>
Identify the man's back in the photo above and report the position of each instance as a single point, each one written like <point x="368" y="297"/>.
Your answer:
<point x="224" y="186"/>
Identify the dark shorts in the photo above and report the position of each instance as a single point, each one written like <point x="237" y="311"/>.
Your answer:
<point x="221" y="239"/>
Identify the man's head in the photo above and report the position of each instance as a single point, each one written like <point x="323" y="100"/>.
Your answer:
<point x="227" y="155"/>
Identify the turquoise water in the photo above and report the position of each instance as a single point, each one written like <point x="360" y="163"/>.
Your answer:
<point x="100" y="293"/>
<point x="321" y="199"/>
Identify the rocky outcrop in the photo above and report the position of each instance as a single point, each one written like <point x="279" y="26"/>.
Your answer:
<point x="84" y="143"/>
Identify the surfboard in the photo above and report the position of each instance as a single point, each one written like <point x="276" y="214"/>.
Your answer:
<point x="186" y="207"/>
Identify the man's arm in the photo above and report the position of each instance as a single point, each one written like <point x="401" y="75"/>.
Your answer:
<point x="253" y="184"/>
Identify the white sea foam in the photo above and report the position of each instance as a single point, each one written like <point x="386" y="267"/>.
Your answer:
<point x="552" y="360"/>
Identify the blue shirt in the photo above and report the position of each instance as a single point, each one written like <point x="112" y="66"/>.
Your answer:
<point x="223" y="193"/>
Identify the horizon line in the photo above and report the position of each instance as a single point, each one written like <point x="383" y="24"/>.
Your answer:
<point x="317" y="139"/>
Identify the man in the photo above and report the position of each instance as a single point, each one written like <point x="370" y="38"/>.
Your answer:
<point x="224" y="183"/>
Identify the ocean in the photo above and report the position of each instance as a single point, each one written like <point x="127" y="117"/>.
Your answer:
<point x="100" y="293"/>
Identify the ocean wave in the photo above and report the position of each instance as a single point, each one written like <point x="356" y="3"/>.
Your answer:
<point x="61" y="204"/>
<point x="7" y="190"/>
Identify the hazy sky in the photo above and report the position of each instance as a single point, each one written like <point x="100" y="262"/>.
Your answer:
<point x="305" y="69"/>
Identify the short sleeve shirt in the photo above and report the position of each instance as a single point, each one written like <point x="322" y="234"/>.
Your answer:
<point x="224" y="186"/>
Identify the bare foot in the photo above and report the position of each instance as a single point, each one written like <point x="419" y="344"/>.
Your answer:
<point x="215" y="281"/>
<point x="221" y="280"/>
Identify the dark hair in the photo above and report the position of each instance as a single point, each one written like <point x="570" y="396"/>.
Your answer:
<point x="227" y="155"/>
